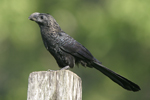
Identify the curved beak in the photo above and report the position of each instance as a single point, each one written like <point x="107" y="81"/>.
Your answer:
<point x="34" y="16"/>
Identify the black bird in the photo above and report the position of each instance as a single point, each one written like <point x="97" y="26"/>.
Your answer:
<point x="68" y="52"/>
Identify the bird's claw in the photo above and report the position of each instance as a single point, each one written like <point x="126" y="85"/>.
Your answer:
<point x="65" y="68"/>
<point x="50" y="70"/>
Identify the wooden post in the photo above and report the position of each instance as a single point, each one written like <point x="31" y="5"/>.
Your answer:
<point x="54" y="85"/>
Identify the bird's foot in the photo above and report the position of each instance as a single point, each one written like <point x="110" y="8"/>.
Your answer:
<point x="65" y="68"/>
<point x="50" y="70"/>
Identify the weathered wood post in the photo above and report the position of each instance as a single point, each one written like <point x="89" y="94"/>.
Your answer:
<point x="54" y="85"/>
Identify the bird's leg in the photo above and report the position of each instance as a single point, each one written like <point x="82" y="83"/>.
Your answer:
<point x="51" y="70"/>
<point x="65" y="68"/>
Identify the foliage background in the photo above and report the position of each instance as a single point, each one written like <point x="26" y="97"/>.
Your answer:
<point x="117" y="33"/>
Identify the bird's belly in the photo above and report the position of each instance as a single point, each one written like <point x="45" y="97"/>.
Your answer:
<point x="63" y="59"/>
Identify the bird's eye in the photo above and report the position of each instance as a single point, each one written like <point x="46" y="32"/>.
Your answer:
<point x="42" y="17"/>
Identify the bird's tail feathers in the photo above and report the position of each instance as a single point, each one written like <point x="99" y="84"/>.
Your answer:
<point x="125" y="83"/>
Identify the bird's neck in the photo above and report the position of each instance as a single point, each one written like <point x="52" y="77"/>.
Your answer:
<point x="51" y="29"/>
<point x="55" y="29"/>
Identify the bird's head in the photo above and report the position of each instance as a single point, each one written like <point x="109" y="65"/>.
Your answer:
<point x="43" y="19"/>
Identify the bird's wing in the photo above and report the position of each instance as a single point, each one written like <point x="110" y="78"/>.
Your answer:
<point x="76" y="49"/>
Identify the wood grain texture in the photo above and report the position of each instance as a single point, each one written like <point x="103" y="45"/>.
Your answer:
<point x="54" y="85"/>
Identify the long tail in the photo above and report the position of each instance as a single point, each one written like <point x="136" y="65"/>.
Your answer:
<point x="125" y="83"/>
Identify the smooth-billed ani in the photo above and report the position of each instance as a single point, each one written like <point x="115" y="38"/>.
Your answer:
<point x="68" y="52"/>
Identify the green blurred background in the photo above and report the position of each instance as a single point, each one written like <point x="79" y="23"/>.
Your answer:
<point x="117" y="32"/>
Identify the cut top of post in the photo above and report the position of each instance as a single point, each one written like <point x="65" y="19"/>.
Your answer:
<point x="54" y="85"/>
